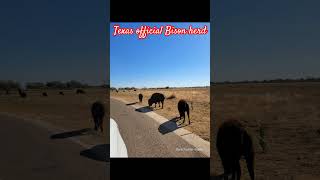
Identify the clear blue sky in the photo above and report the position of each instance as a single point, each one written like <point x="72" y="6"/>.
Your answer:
<point x="43" y="40"/>
<point x="159" y="61"/>
<point x="256" y="40"/>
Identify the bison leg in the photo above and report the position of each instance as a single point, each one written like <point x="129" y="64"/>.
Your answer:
<point x="95" y="126"/>
<point x="238" y="168"/>
<point x="184" y="117"/>
<point x="101" y="127"/>
<point x="249" y="161"/>
<point x="249" y="155"/>
<point x="162" y="104"/>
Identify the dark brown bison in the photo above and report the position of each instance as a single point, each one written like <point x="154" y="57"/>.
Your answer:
<point x="183" y="107"/>
<point x="233" y="142"/>
<point x="98" y="112"/>
<point x="156" y="98"/>
<point x="140" y="97"/>
<point x="44" y="94"/>
<point x="61" y="93"/>
<point x="22" y="93"/>
<point x="80" y="91"/>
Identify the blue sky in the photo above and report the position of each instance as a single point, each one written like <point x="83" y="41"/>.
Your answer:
<point x="43" y="40"/>
<point x="257" y="40"/>
<point x="159" y="61"/>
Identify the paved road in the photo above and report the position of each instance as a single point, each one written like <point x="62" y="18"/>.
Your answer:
<point x="28" y="152"/>
<point x="142" y="137"/>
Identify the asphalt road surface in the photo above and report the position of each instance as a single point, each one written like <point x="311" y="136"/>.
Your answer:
<point x="142" y="137"/>
<point x="28" y="152"/>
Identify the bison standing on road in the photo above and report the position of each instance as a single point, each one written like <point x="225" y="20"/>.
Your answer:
<point x="97" y="111"/>
<point x="156" y="98"/>
<point x="44" y="94"/>
<point x="183" y="107"/>
<point x="61" y="93"/>
<point x="140" y="98"/>
<point x="233" y="142"/>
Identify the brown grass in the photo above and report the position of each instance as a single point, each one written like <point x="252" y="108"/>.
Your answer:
<point x="200" y="115"/>
<point x="71" y="111"/>
<point x="283" y="120"/>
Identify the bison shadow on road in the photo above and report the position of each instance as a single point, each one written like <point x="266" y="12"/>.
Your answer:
<point x="129" y="104"/>
<point x="170" y="126"/>
<point x="145" y="109"/>
<point x="68" y="134"/>
<point x="99" y="153"/>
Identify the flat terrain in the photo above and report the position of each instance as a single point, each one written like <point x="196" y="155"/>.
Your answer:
<point x="284" y="121"/>
<point x="199" y="115"/>
<point x="70" y="112"/>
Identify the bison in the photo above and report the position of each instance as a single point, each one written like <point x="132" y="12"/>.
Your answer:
<point x="140" y="98"/>
<point x="44" y="94"/>
<point x="61" y="93"/>
<point x="80" y="91"/>
<point x="156" y="98"/>
<point x="22" y="93"/>
<point x="232" y="143"/>
<point x="98" y="112"/>
<point x="183" y="107"/>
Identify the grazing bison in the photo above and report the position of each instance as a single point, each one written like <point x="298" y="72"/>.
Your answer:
<point x="140" y="97"/>
<point x="233" y="142"/>
<point x="44" y="94"/>
<point x="156" y="98"/>
<point x="80" y="91"/>
<point x="61" y="93"/>
<point x="183" y="107"/>
<point x="97" y="111"/>
<point x="22" y="93"/>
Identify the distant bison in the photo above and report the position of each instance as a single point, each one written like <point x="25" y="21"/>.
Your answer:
<point x="233" y="142"/>
<point x="80" y="91"/>
<point x="44" y="94"/>
<point x="22" y="93"/>
<point x="61" y="93"/>
<point x="183" y="107"/>
<point x="97" y="111"/>
<point x="156" y="98"/>
<point x="140" y="97"/>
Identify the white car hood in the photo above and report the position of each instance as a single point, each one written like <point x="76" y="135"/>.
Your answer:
<point x="118" y="148"/>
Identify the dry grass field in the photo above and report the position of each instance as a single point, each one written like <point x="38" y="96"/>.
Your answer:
<point x="199" y="115"/>
<point x="284" y="121"/>
<point x="70" y="112"/>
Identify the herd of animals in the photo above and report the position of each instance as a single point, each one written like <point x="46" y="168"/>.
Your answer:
<point x="233" y="141"/>
<point x="97" y="108"/>
<point x="158" y="98"/>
